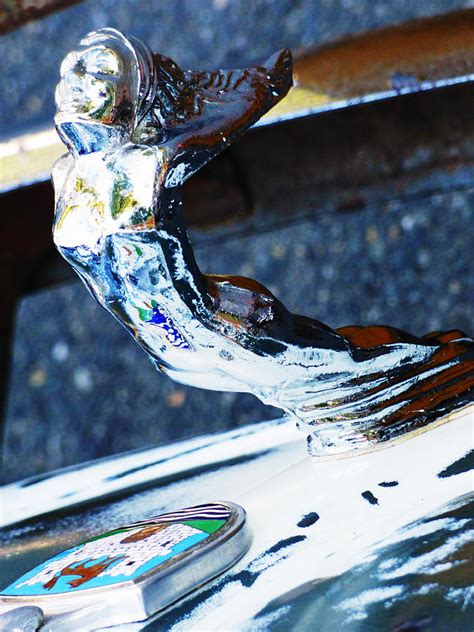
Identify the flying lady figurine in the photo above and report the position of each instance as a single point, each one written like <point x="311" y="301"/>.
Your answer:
<point x="136" y="127"/>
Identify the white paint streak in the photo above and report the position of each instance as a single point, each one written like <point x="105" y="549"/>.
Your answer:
<point x="357" y="606"/>
<point x="434" y="561"/>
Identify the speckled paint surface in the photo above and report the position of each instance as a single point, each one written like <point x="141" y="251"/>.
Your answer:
<point x="326" y="554"/>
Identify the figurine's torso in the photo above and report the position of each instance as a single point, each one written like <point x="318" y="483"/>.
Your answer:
<point x="105" y="226"/>
<point x="102" y="194"/>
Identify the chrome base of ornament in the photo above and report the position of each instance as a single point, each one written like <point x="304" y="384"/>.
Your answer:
<point x="342" y="440"/>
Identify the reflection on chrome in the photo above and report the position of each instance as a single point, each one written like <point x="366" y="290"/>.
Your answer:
<point x="136" y="127"/>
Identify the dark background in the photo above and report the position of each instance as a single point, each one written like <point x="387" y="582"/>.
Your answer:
<point x="359" y="217"/>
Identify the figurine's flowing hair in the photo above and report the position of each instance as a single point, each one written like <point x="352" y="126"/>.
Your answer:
<point x="138" y="74"/>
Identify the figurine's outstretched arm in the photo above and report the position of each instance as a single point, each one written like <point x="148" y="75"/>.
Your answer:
<point x="213" y="109"/>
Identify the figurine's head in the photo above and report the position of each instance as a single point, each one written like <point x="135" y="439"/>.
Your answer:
<point x="105" y="86"/>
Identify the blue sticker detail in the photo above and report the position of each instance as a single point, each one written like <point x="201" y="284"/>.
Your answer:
<point x="171" y="332"/>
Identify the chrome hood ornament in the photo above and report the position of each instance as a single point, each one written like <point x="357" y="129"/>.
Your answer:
<point x="137" y="127"/>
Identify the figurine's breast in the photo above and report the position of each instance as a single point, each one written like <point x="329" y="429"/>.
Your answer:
<point x="99" y="195"/>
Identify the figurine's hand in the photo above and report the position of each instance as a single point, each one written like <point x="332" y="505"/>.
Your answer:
<point x="224" y="104"/>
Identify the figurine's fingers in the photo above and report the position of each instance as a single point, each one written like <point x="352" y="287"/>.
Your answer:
<point x="275" y="76"/>
<point x="279" y="73"/>
<point x="225" y="103"/>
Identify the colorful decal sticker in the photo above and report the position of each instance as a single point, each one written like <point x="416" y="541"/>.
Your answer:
<point x="156" y="317"/>
<point x="123" y="554"/>
<point x="166" y="324"/>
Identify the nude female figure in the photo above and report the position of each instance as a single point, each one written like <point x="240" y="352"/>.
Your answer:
<point x="137" y="127"/>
